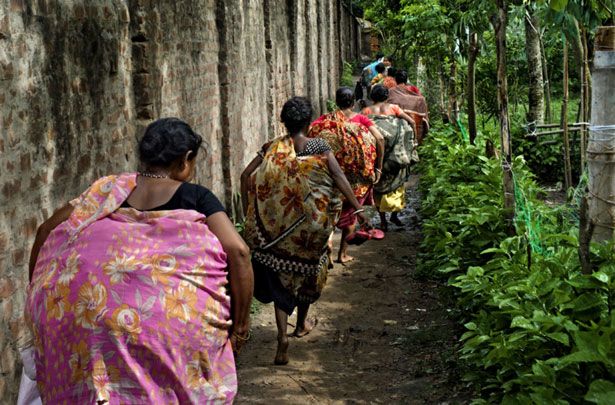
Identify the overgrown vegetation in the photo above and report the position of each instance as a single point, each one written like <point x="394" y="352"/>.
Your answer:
<point x="538" y="329"/>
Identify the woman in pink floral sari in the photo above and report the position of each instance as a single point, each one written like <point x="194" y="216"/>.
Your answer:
<point x="128" y="301"/>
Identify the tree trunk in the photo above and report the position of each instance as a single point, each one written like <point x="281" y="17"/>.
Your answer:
<point x="453" y="107"/>
<point x="421" y="75"/>
<point x="547" y="82"/>
<point x="600" y="156"/>
<point x="584" y="109"/>
<point x="499" y="22"/>
<point x="471" y="85"/>
<point x="536" y="94"/>
<point x="564" y="121"/>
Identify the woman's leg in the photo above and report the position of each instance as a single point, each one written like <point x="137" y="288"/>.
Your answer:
<point x="383" y="221"/>
<point x="281" y="320"/>
<point x="303" y="325"/>
<point x="330" y="250"/>
<point x="396" y="220"/>
<point x="342" y="257"/>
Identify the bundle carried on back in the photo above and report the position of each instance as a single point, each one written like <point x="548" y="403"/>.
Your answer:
<point x="399" y="152"/>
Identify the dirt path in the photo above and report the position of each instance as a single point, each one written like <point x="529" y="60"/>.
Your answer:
<point x="382" y="336"/>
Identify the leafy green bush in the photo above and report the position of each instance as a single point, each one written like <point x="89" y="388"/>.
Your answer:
<point x="538" y="330"/>
<point x="462" y="204"/>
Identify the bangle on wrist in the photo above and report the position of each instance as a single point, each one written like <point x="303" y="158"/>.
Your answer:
<point x="378" y="170"/>
<point x="246" y="338"/>
<point x="358" y="211"/>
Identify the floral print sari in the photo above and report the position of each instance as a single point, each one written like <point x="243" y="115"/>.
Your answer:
<point x="354" y="148"/>
<point x="292" y="209"/>
<point x="131" y="307"/>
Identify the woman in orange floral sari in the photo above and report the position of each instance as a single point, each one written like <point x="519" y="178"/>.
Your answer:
<point x="358" y="147"/>
<point x="289" y="244"/>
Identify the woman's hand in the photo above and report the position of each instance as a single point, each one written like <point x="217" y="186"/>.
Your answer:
<point x="363" y="220"/>
<point x="43" y="232"/>
<point x="238" y="340"/>
<point x="378" y="173"/>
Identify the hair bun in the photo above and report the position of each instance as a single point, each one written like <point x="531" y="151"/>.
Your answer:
<point x="166" y="141"/>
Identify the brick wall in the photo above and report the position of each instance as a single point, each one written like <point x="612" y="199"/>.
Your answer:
<point x="80" y="79"/>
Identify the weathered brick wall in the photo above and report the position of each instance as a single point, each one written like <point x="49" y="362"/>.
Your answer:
<point x="80" y="79"/>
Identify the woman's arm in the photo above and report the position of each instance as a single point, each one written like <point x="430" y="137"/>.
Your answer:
<point x="245" y="181"/>
<point x="409" y="119"/>
<point x="379" y="151"/>
<point x="241" y="277"/>
<point x="43" y="232"/>
<point x="342" y="183"/>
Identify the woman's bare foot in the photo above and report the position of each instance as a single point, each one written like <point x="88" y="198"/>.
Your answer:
<point x="281" y="356"/>
<point x="307" y="327"/>
<point x="343" y="259"/>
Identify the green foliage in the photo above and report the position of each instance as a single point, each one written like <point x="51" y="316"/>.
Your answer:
<point x="544" y="155"/>
<point x="538" y="330"/>
<point x="347" y="79"/>
<point x="462" y="205"/>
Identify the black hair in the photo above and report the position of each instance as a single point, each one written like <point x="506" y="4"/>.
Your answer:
<point x="344" y="97"/>
<point x="401" y="77"/>
<point x="380" y="68"/>
<point x="166" y="141"/>
<point x="390" y="58"/>
<point x="379" y="55"/>
<point x="379" y="93"/>
<point x="296" y="114"/>
<point x="391" y="71"/>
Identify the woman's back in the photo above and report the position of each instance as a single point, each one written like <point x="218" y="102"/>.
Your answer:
<point x="131" y="307"/>
<point x="382" y="109"/>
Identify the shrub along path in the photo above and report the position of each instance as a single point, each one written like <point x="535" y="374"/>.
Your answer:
<point x="382" y="335"/>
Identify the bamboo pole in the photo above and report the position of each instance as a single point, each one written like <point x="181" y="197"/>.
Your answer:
<point x="557" y="131"/>
<point x="575" y="124"/>
<point x="584" y="93"/>
<point x="499" y="22"/>
<point x="564" y="121"/>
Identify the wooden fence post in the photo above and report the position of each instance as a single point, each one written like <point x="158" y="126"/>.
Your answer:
<point x="601" y="142"/>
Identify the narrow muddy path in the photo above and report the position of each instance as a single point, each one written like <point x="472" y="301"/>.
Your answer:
<point x="383" y="335"/>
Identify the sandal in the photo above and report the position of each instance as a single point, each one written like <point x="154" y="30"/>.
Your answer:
<point x="363" y="235"/>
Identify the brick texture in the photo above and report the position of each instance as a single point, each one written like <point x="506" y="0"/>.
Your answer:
<point x="80" y="79"/>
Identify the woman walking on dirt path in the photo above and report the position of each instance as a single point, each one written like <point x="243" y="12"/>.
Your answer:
<point x="359" y="149"/>
<point x="392" y="201"/>
<point x="290" y="256"/>
<point x="141" y="287"/>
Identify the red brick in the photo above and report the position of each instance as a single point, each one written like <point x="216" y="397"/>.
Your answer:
<point x="24" y="163"/>
<point x="17" y="6"/>
<point x="7" y="288"/>
<point x="19" y="256"/>
<point x="10" y="189"/>
<point x="30" y="226"/>
<point x="83" y="164"/>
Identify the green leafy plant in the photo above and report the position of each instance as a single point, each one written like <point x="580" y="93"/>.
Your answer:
<point x="538" y="330"/>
